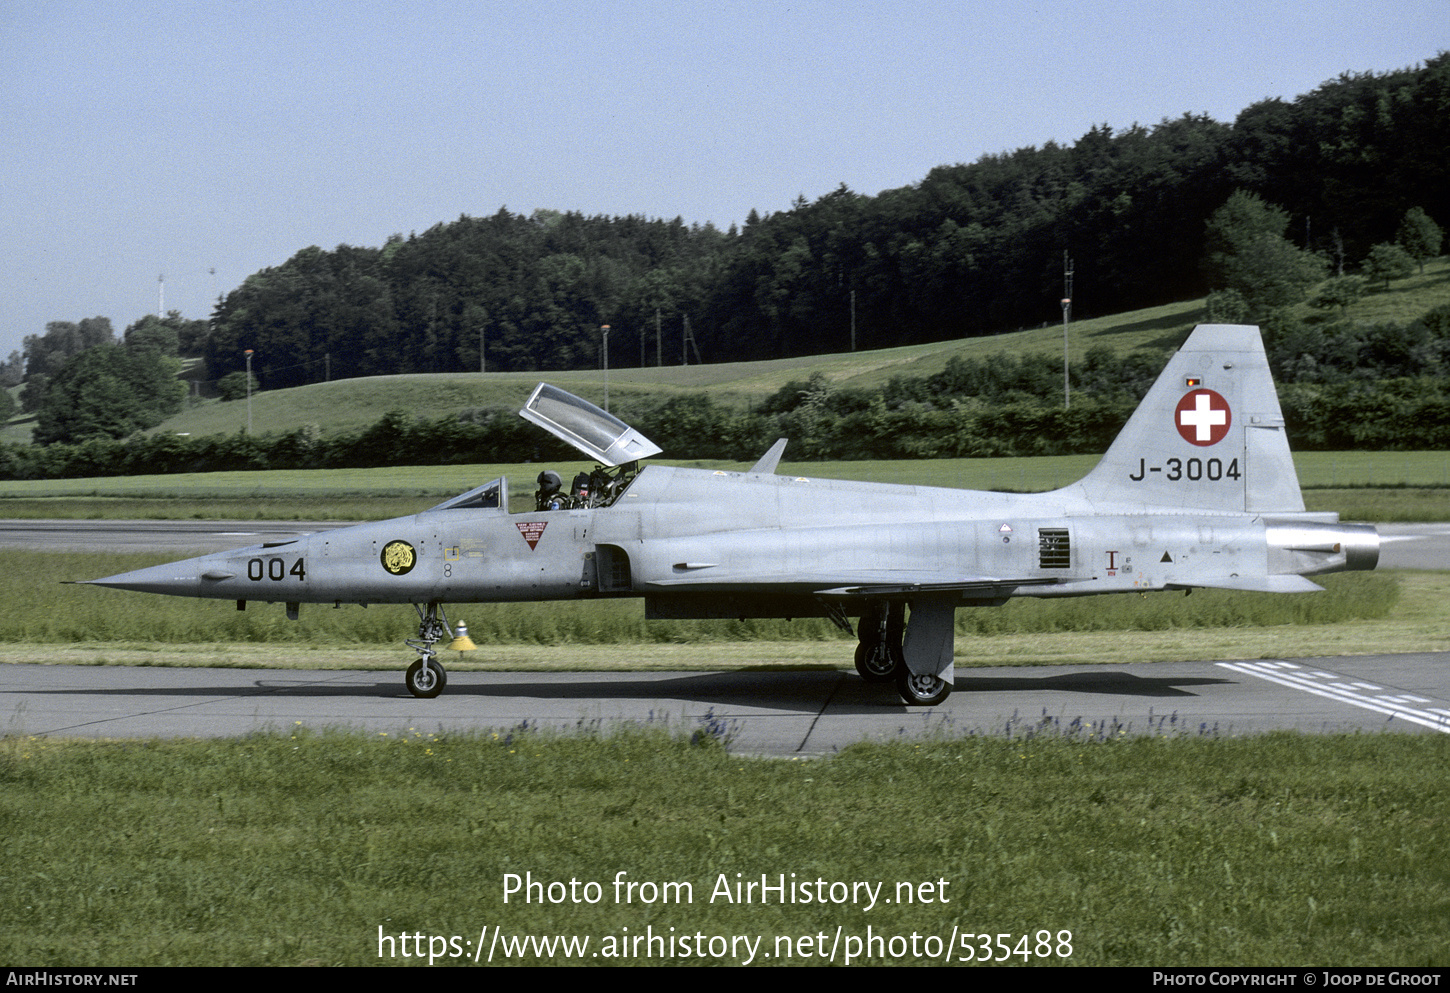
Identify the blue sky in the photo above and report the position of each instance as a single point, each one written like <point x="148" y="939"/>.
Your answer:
<point x="142" y="138"/>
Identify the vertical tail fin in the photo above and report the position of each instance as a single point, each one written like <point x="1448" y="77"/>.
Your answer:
<point x="1208" y="436"/>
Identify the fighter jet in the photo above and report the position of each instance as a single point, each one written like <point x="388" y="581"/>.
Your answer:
<point x="1198" y="490"/>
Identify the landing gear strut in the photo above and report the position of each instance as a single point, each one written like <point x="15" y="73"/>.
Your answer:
<point x="886" y="644"/>
<point x="425" y="677"/>
<point x="879" y="656"/>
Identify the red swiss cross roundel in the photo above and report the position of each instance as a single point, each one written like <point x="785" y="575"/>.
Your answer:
<point x="1202" y="417"/>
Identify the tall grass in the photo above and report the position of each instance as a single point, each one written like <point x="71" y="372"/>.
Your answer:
<point x="35" y="607"/>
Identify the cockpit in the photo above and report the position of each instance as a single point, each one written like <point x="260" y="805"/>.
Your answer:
<point x="615" y="445"/>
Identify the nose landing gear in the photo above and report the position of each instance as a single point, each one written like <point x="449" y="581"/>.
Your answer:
<point x="426" y="678"/>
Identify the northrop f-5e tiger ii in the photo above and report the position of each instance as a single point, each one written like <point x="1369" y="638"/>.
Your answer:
<point x="1198" y="490"/>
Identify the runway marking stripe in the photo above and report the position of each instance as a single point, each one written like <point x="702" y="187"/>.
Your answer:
<point x="1436" y="719"/>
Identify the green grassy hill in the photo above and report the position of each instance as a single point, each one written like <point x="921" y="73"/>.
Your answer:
<point x="352" y="404"/>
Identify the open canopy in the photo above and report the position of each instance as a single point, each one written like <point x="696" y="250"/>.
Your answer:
<point x="597" y="433"/>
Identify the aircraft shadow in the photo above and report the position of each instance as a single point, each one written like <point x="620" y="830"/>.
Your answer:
<point x="835" y="691"/>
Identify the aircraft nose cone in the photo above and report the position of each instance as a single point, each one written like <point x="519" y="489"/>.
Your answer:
<point x="179" y="578"/>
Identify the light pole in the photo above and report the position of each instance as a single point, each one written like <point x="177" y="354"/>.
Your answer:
<point x="248" y="354"/>
<point x="1067" y="273"/>
<point x="604" y="330"/>
<point x="1066" y="316"/>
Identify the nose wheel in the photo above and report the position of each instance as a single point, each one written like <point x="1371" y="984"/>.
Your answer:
<point x="425" y="678"/>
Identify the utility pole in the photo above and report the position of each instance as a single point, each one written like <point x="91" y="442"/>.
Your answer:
<point x="687" y="340"/>
<point x="248" y="354"/>
<point x="853" y="320"/>
<point x="604" y="330"/>
<point x="1066" y="317"/>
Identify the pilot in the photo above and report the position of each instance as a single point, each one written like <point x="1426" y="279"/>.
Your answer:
<point x="547" y="496"/>
<point x="579" y="492"/>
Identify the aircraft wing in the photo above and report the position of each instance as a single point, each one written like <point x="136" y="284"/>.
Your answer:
<point x="960" y="586"/>
<point x="890" y="585"/>
<point x="1280" y="583"/>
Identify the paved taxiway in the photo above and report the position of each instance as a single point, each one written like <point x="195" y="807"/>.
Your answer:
<point x="774" y="713"/>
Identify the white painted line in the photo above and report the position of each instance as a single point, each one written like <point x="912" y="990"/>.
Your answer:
<point x="1437" y="720"/>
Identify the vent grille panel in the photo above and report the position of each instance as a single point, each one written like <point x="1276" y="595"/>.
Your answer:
<point x="1054" y="550"/>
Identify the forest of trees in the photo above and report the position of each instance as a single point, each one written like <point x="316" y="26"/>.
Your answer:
<point x="970" y="249"/>
<point x="81" y="382"/>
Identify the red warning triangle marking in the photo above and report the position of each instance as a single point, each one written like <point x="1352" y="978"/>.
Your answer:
<point x="532" y="531"/>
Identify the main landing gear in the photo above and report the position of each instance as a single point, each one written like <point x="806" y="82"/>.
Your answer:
<point x="921" y="689"/>
<point x="879" y="655"/>
<point x="425" y="678"/>
<point x="881" y="652"/>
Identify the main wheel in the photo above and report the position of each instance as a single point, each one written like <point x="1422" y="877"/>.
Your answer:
<point x="921" y="690"/>
<point x="425" y="680"/>
<point x="877" y="661"/>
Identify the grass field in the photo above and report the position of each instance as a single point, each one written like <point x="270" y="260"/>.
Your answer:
<point x="1077" y="847"/>
<point x="1082" y="846"/>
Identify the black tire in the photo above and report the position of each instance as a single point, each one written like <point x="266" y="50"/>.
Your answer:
<point x="921" y="691"/>
<point x="877" y="662"/>
<point x="425" y="682"/>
